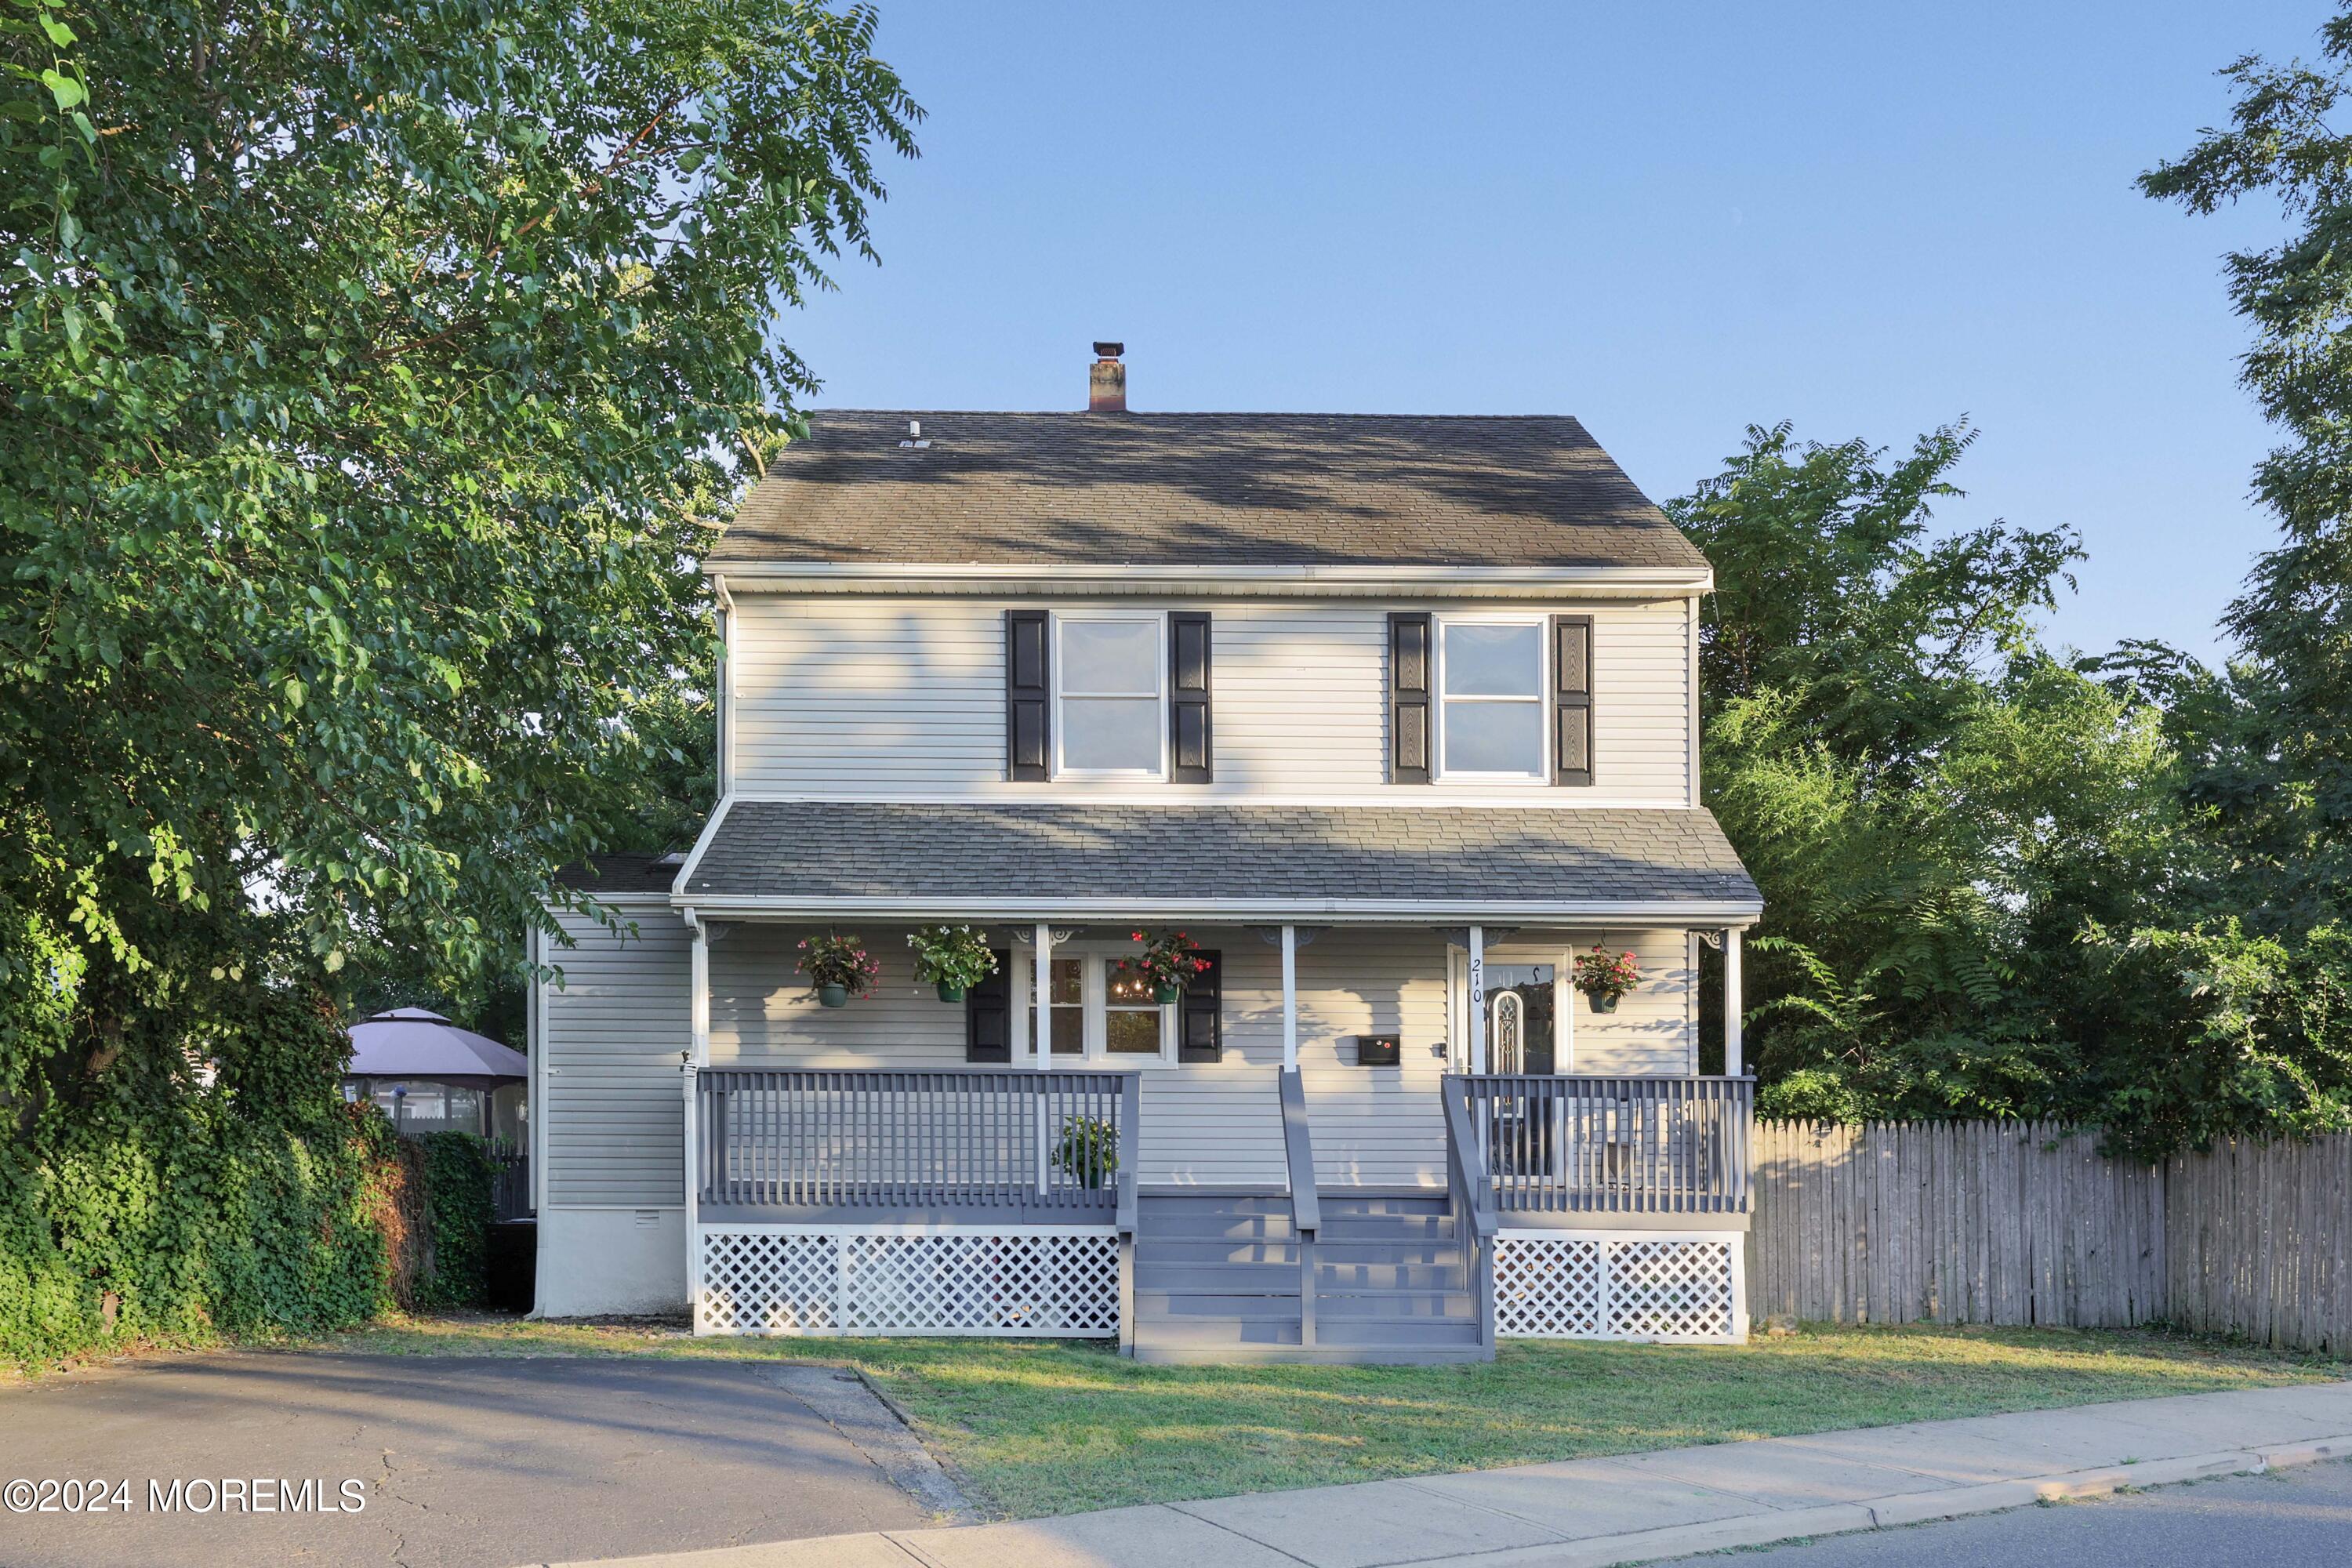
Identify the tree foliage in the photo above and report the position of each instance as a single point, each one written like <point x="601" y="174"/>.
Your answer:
<point x="2276" y="734"/>
<point x="372" y="372"/>
<point x="1934" y="807"/>
<point x="1999" y="882"/>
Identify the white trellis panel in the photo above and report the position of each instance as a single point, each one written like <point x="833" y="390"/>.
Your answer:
<point x="1060" y="1281"/>
<point x="1684" y="1287"/>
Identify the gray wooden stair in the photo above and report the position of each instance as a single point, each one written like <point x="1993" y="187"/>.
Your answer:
<point x="1217" y="1279"/>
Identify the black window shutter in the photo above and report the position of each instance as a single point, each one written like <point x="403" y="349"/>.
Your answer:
<point x="1571" y="683"/>
<point x="1409" y="676"/>
<point x="1189" y="740"/>
<point x="1200" y="1037"/>
<point x="1028" y="696"/>
<point x="988" y="1016"/>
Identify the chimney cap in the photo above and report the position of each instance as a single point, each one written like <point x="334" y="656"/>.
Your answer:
<point x="1110" y="351"/>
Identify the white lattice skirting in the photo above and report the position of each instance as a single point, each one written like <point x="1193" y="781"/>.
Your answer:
<point x="1684" y="1285"/>
<point x="1034" y="1280"/>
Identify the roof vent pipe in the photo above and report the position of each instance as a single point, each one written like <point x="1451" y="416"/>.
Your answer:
<point x="1107" y="380"/>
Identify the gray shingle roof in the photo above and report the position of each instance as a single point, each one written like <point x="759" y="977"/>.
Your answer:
<point x="1200" y="488"/>
<point x="810" y="851"/>
<point x="623" y="871"/>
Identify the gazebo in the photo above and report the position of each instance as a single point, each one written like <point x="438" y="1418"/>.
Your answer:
<point x="429" y="1076"/>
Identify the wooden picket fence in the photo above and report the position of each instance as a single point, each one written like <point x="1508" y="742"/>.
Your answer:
<point x="2026" y="1223"/>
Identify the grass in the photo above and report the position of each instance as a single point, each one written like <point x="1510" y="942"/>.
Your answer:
<point x="1046" y="1427"/>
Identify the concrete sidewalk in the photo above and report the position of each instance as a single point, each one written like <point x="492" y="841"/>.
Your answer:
<point x="1641" y="1506"/>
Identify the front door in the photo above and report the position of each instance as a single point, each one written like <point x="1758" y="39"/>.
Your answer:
<point x="1519" y="1018"/>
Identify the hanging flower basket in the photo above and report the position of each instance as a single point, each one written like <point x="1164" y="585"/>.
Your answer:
<point x="838" y="967"/>
<point x="1167" y="964"/>
<point x="1604" y="977"/>
<point x="952" y="958"/>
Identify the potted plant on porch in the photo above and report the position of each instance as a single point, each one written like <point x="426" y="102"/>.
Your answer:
<point x="1088" y="1150"/>
<point x="953" y="958"/>
<point x="838" y="967"/>
<point x="1603" y="977"/>
<point x="1168" y="963"/>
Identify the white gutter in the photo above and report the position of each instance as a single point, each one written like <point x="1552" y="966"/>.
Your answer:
<point x="998" y="909"/>
<point x="1280" y="580"/>
<point x="693" y="856"/>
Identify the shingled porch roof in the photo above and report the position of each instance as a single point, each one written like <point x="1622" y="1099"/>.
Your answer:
<point x="1016" y="858"/>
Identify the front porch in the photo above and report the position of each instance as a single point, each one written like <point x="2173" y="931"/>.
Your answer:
<point x="1379" y="1095"/>
<point x="1007" y="1202"/>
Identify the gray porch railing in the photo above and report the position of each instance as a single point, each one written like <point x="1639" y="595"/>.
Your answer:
<point x="1622" y="1145"/>
<point x="1470" y="1196"/>
<point x="1012" y="1141"/>
<point x="1305" y="1203"/>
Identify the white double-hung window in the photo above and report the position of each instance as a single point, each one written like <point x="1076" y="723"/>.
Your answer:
<point x="1110" y="695"/>
<point x="1099" y="1012"/>
<point x="1491" y="719"/>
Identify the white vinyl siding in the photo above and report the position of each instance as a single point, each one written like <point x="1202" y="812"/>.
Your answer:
<point x="1218" y="1124"/>
<point x="612" y="1118"/>
<point x="1654" y="1030"/>
<point x="881" y="698"/>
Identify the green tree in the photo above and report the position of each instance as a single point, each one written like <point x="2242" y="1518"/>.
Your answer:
<point x="1934" y="807"/>
<point x="372" y="373"/>
<point x="2274" y="737"/>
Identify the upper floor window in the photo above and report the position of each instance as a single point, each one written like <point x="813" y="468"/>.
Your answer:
<point x="1491" y="698"/>
<point x="1110" y="695"/>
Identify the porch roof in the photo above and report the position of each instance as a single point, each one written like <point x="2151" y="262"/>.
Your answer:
<point x="1037" y="859"/>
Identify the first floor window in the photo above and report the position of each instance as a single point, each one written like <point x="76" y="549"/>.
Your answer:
<point x="1099" y="1012"/>
<point x="1067" y="1006"/>
<point x="1132" y="1021"/>
<point x="1490" y="687"/>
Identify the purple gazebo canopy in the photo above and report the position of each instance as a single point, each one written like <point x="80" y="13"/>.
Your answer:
<point x="409" y="1042"/>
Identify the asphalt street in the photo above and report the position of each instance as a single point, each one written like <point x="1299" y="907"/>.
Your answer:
<point x="455" y="1462"/>
<point x="2299" y="1518"/>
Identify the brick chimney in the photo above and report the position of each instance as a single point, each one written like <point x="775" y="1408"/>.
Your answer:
<point x="1107" y="380"/>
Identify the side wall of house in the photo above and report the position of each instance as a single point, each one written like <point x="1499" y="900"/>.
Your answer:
<point x="1218" y="1124"/>
<point x="611" y="1118"/>
<point x="879" y="697"/>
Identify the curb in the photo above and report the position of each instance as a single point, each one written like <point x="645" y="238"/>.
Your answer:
<point x="1910" y="1507"/>
<point x="1770" y="1528"/>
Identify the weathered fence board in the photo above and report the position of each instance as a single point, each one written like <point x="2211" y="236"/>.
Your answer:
<point x="2259" y="1234"/>
<point x="2026" y="1224"/>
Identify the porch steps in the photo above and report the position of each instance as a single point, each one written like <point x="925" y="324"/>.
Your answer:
<point x="1217" y="1280"/>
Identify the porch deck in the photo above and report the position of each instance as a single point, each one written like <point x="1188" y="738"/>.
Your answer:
<point x="1007" y="1201"/>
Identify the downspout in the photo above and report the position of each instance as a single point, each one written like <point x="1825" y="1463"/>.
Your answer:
<point x="722" y="692"/>
<point x="697" y="1056"/>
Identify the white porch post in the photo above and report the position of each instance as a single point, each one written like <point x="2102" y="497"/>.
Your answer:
<point x="700" y="1030"/>
<point x="1478" y="999"/>
<point x="1041" y="992"/>
<point x="1731" y="1065"/>
<point x="1289" y="997"/>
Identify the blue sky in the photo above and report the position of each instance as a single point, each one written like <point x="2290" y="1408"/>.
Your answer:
<point x="1669" y="220"/>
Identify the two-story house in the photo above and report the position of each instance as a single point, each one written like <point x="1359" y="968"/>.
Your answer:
<point x="1393" y="715"/>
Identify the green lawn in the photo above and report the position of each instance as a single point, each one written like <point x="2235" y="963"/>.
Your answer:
<point x="1046" y="1427"/>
